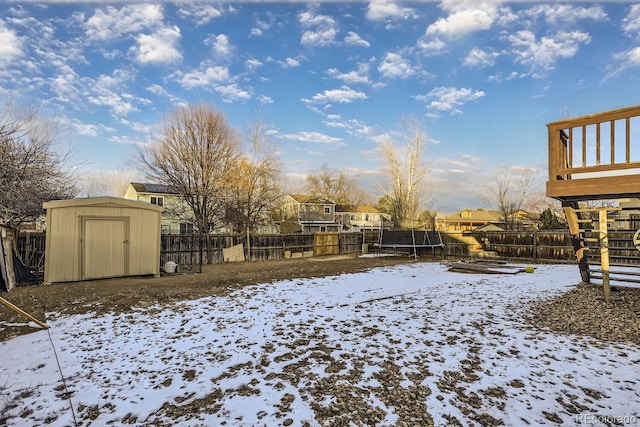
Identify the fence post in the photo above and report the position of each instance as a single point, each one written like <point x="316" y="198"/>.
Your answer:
<point x="535" y="246"/>
<point x="604" y="254"/>
<point x="200" y="248"/>
<point x="284" y="245"/>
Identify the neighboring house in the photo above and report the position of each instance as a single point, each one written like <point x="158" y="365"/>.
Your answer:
<point x="310" y="212"/>
<point x="38" y="224"/>
<point x="160" y="195"/>
<point x="484" y="220"/>
<point x="358" y="218"/>
<point x="468" y="219"/>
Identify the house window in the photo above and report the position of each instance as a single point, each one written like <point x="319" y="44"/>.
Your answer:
<point x="186" y="228"/>
<point x="327" y="210"/>
<point x="157" y="201"/>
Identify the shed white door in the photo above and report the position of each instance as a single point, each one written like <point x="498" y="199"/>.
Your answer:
<point x="104" y="247"/>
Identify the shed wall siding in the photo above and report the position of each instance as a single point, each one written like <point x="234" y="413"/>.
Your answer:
<point x="64" y="259"/>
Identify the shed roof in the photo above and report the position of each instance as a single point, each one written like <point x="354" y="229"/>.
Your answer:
<point x="106" y="201"/>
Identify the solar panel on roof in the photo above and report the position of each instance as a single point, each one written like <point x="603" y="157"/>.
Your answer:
<point x="158" y="188"/>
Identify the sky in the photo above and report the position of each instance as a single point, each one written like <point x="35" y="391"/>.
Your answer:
<point x="330" y="80"/>
<point x="269" y="354"/>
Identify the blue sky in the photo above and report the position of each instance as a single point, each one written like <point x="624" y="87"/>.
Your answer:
<point x="331" y="79"/>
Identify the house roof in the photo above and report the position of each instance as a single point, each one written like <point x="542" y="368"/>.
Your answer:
<point x="152" y="188"/>
<point x="475" y="215"/>
<point x="485" y="216"/>
<point x="356" y="208"/>
<point x="305" y="198"/>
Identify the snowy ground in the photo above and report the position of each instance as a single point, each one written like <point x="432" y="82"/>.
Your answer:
<point x="406" y="344"/>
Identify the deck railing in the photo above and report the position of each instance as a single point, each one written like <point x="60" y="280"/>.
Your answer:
<point x="594" y="156"/>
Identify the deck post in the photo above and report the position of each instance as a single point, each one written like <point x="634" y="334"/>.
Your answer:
<point x="604" y="254"/>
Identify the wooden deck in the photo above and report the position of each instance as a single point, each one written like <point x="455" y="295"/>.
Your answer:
<point x="595" y="157"/>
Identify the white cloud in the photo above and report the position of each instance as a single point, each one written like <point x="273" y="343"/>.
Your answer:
<point x="623" y="61"/>
<point x="197" y="78"/>
<point x="88" y="129"/>
<point x="632" y="57"/>
<point x="561" y="14"/>
<point x="309" y="18"/>
<point x="290" y="63"/>
<point x="500" y="77"/>
<point x="117" y="78"/>
<point x="354" y="39"/>
<point x="159" y="47"/>
<point x="263" y="25"/>
<point x="321" y="37"/>
<point x="113" y="23"/>
<point x="478" y="57"/>
<point x="252" y="64"/>
<point x="381" y="10"/>
<point x="322" y="29"/>
<point x="141" y="127"/>
<point x="631" y="23"/>
<point x="200" y="13"/>
<point x="114" y="102"/>
<point x="232" y="92"/>
<point x="543" y="54"/>
<point x="449" y="99"/>
<point x="335" y="124"/>
<point x="264" y="99"/>
<point x="312" y="137"/>
<point x="464" y="17"/>
<point x="66" y="84"/>
<point x="431" y="46"/>
<point x="128" y="140"/>
<point x="11" y="46"/>
<point x="394" y="66"/>
<point x="359" y="76"/>
<point x="343" y="95"/>
<point x="159" y="90"/>
<point x="221" y="45"/>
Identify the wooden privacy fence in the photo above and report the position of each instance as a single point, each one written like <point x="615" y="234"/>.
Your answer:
<point x="184" y="249"/>
<point x="530" y="246"/>
<point x="535" y="247"/>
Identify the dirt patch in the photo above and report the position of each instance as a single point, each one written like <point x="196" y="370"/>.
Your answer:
<point x="123" y="294"/>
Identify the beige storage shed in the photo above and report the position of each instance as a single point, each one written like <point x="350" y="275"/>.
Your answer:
<point x="101" y="237"/>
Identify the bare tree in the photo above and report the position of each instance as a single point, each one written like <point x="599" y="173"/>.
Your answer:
<point x="107" y="182"/>
<point x="32" y="171"/>
<point x="510" y="191"/>
<point x="407" y="172"/>
<point x="334" y="185"/>
<point x="197" y="156"/>
<point x="256" y="185"/>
